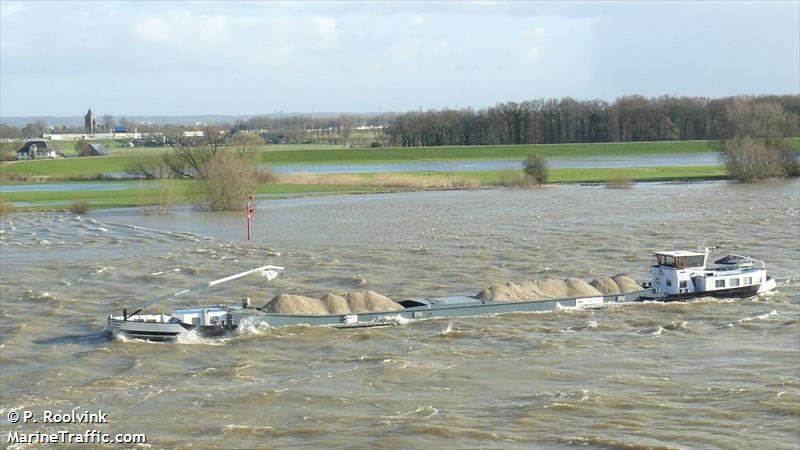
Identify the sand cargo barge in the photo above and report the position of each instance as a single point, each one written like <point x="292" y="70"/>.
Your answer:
<point x="676" y="276"/>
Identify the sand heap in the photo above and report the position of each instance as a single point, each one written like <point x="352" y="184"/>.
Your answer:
<point x="348" y="303"/>
<point x="551" y="288"/>
<point x="618" y="284"/>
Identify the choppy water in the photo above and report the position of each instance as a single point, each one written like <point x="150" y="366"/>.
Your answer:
<point x="701" y="375"/>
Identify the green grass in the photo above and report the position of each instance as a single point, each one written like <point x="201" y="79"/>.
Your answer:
<point x="69" y="167"/>
<point x="137" y="195"/>
<point x="511" y="152"/>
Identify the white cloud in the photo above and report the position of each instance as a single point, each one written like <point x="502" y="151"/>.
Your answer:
<point x="153" y="30"/>
<point x="532" y="53"/>
<point x="8" y="9"/>
<point x="325" y="31"/>
<point x="431" y="54"/>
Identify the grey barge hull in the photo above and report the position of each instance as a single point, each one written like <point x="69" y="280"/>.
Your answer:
<point x="431" y="308"/>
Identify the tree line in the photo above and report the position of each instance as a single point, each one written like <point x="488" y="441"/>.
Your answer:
<point x="566" y="120"/>
<point x="539" y="121"/>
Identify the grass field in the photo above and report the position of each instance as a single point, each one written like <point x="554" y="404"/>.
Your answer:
<point x="77" y="168"/>
<point x="139" y="195"/>
<point x="486" y="152"/>
<point x="142" y="193"/>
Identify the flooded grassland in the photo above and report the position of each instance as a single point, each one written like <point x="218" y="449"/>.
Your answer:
<point x="699" y="375"/>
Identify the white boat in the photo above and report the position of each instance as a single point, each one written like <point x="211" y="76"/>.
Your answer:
<point x="683" y="275"/>
<point x="676" y="276"/>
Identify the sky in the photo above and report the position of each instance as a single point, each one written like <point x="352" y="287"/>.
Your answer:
<point x="183" y="58"/>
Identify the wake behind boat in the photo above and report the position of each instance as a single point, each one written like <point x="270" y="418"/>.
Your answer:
<point x="676" y="276"/>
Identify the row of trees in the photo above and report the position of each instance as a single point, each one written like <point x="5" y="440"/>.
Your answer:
<point x="540" y="121"/>
<point x="566" y="120"/>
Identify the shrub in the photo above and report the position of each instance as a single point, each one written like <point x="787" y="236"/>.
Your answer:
<point x="375" y="144"/>
<point x="787" y="161"/>
<point x="226" y="181"/>
<point x="536" y="168"/>
<point x="8" y="150"/>
<point x="749" y="160"/>
<point x="167" y="195"/>
<point x="79" y="207"/>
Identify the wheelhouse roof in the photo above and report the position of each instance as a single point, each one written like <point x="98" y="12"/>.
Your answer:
<point x="677" y="253"/>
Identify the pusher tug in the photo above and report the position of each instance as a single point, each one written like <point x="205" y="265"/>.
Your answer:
<point x="676" y="276"/>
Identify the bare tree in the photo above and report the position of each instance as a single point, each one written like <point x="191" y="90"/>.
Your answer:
<point x="748" y="160"/>
<point x="226" y="181"/>
<point x="148" y="167"/>
<point x="760" y="148"/>
<point x="108" y="122"/>
<point x="536" y="168"/>
<point x="189" y="158"/>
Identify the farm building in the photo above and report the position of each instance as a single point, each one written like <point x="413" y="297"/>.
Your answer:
<point x="94" y="150"/>
<point x="39" y="149"/>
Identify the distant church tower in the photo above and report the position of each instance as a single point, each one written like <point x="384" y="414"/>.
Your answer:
<point x="89" y="122"/>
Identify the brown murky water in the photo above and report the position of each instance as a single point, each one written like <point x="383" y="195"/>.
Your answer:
<point x="707" y="374"/>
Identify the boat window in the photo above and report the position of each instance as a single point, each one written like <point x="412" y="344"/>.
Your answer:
<point x="695" y="261"/>
<point x="719" y="283"/>
<point x="734" y="282"/>
<point x="669" y="282"/>
<point x="683" y="284"/>
<point x="664" y="260"/>
<point x="748" y="280"/>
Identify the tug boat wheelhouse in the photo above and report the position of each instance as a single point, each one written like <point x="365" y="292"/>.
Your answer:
<point x="682" y="275"/>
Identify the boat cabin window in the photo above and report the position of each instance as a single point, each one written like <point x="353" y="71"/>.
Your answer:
<point x="683" y="284"/>
<point x="680" y="262"/>
<point x="734" y="282"/>
<point x="669" y="282"/>
<point x="719" y="283"/>
<point x="748" y="280"/>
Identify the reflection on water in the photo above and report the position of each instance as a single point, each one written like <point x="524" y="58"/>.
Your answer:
<point x="633" y="376"/>
<point x="582" y="162"/>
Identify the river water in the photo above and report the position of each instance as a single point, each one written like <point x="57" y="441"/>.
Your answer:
<point x="708" y="374"/>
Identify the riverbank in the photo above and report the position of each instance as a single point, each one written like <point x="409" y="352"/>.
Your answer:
<point x="146" y="193"/>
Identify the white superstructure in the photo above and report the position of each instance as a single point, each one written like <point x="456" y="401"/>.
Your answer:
<point x="684" y="273"/>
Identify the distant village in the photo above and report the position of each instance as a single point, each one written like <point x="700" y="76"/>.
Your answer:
<point x="295" y="129"/>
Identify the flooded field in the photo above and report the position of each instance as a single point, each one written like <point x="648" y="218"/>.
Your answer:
<point x="576" y="162"/>
<point x="709" y="374"/>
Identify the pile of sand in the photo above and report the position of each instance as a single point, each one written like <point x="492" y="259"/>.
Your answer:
<point x="348" y="303"/>
<point x="618" y="284"/>
<point x="539" y="290"/>
<point x="552" y="289"/>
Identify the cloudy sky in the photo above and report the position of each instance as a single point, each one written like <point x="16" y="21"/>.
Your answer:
<point x="178" y="58"/>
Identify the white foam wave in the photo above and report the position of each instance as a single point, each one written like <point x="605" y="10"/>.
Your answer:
<point x="252" y="327"/>
<point x="764" y="316"/>
<point x="192" y="337"/>
<point x="393" y="320"/>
